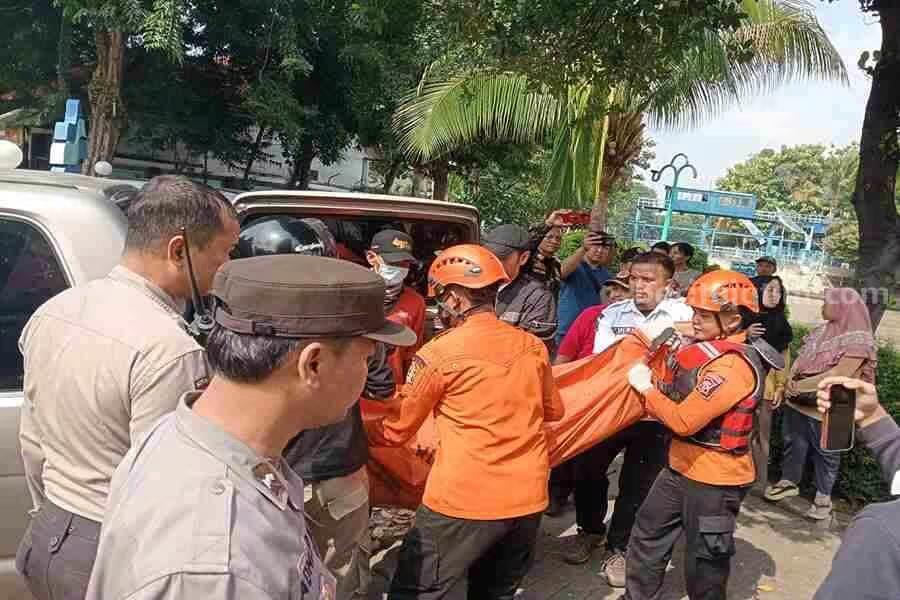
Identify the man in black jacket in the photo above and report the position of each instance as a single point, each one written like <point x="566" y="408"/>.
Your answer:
<point x="526" y="302"/>
<point x="868" y="562"/>
<point x="331" y="460"/>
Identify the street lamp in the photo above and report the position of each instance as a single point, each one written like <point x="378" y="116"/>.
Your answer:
<point x="670" y="197"/>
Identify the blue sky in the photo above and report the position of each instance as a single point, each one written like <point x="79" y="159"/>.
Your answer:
<point x="799" y="113"/>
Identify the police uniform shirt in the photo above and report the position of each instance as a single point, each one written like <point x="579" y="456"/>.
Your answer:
<point x="195" y="513"/>
<point x="103" y="362"/>
<point x="621" y="318"/>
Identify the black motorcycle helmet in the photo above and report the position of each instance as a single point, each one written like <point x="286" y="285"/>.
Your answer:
<point x="284" y="234"/>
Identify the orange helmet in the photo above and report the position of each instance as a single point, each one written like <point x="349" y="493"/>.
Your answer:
<point x="466" y="265"/>
<point x="723" y="290"/>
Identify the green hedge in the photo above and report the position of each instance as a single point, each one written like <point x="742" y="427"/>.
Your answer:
<point x="860" y="480"/>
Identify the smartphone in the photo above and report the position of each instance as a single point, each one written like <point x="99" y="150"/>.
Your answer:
<point x="838" y="427"/>
<point x="576" y="217"/>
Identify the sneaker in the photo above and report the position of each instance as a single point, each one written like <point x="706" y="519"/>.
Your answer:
<point x="821" y="508"/>
<point x="614" y="569"/>
<point x="582" y="546"/>
<point x="781" y="490"/>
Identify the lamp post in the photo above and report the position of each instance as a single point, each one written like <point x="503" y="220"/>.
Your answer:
<point x="670" y="197"/>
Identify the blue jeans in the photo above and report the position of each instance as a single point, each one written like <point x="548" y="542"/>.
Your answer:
<point x="801" y="436"/>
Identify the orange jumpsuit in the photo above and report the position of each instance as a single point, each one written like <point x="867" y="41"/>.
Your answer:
<point x="490" y="388"/>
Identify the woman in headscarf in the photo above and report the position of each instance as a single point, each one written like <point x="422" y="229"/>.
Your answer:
<point x="845" y="346"/>
<point x="772" y="323"/>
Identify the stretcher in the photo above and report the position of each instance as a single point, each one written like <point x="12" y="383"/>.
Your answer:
<point x="598" y="401"/>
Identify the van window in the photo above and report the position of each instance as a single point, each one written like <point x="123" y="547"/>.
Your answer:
<point x="354" y="234"/>
<point x="30" y="274"/>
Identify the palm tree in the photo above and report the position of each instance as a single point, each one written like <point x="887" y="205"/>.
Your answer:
<point x="596" y="131"/>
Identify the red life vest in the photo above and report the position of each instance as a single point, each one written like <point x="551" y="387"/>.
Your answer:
<point x="731" y="431"/>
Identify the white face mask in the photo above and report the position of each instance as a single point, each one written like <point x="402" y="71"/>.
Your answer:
<point x="393" y="276"/>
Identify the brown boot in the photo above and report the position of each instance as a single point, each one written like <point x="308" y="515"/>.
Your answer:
<point x="582" y="546"/>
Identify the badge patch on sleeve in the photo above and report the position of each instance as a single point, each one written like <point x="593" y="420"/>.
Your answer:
<point x="709" y="384"/>
<point x="414" y="369"/>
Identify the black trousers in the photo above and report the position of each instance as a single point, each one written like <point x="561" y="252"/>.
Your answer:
<point x="453" y="559"/>
<point x="646" y="446"/>
<point x="57" y="554"/>
<point x="706" y="514"/>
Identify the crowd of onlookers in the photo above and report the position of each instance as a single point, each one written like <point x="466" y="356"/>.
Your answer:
<point x="579" y="289"/>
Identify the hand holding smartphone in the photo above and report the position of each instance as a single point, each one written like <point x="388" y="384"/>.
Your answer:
<point x="838" y="426"/>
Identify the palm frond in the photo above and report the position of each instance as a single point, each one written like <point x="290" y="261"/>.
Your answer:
<point x="441" y="116"/>
<point x="784" y="42"/>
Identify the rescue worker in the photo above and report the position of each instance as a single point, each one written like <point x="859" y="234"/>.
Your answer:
<point x="391" y="256"/>
<point x="644" y="443"/>
<point x="525" y="301"/>
<point x="204" y="506"/>
<point x="490" y="388"/>
<point x="331" y="460"/>
<point x="716" y="385"/>
<point x="103" y="362"/>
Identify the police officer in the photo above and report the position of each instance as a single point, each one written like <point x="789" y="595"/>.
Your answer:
<point x="331" y="459"/>
<point x="525" y="301"/>
<point x="490" y="389"/>
<point x="205" y="507"/>
<point x="716" y="385"/>
<point x="103" y="362"/>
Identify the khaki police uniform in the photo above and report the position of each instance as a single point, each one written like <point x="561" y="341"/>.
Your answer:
<point x="195" y="513"/>
<point x="103" y="362"/>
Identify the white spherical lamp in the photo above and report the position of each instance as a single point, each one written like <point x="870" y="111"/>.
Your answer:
<point x="10" y="155"/>
<point x="102" y="169"/>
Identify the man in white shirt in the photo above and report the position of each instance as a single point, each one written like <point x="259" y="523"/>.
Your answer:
<point x="644" y="443"/>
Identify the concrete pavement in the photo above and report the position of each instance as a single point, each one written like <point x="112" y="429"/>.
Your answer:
<point x="780" y="556"/>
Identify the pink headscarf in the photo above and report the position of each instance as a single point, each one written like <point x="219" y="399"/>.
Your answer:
<point x="848" y="334"/>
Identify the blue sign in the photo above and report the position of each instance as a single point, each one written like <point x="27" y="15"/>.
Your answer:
<point x="69" y="147"/>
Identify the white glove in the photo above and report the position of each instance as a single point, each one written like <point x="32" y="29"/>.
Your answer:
<point x="641" y="378"/>
<point x="652" y="328"/>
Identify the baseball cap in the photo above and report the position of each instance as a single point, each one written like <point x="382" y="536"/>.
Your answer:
<point x="616" y="281"/>
<point x="298" y="296"/>
<point x="767" y="259"/>
<point x="393" y="246"/>
<point x="503" y="240"/>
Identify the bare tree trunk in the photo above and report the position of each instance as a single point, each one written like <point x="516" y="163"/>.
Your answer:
<point x="105" y="94"/>
<point x="879" y="157"/>
<point x="440" y="174"/>
<point x="301" y="170"/>
<point x="391" y="175"/>
<point x="418" y="182"/>
<point x="254" y="153"/>
<point x="600" y="210"/>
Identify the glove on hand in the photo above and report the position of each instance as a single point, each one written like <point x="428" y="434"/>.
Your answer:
<point x="652" y="328"/>
<point x="641" y="378"/>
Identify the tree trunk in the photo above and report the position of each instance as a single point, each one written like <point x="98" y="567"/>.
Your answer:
<point x="879" y="156"/>
<point x="391" y="175"/>
<point x="600" y="210"/>
<point x="302" y="168"/>
<point x="105" y="94"/>
<point x="440" y="174"/>
<point x="418" y="183"/>
<point x="63" y="56"/>
<point x="254" y="152"/>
